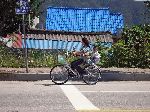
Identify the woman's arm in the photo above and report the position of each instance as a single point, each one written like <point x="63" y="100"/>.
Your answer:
<point x="76" y="53"/>
<point x="79" y="53"/>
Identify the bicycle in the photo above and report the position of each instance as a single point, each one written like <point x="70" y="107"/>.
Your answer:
<point x="61" y="73"/>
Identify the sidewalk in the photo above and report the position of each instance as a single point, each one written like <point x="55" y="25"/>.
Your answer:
<point x="108" y="74"/>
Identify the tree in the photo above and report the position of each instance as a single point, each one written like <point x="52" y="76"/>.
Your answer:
<point x="147" y="3"/>
<point x="9" y="21"/>
<point x="133" y="50"/>
<point x="35" y="7"/>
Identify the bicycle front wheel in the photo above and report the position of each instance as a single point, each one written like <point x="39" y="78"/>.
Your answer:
<point x="59" y="74"/>
<point x="92" y="75"/>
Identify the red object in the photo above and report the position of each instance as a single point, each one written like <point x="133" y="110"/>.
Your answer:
<point x="17" y="43"/>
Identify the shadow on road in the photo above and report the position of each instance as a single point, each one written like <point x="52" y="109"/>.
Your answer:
<point x="60" y="84"/>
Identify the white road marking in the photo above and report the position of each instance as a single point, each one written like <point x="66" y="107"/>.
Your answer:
<point x="89" y="91"/>
<point x="78" y="100"/>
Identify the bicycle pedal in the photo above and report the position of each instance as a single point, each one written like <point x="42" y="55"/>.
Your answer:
<point x="72" y="76"/>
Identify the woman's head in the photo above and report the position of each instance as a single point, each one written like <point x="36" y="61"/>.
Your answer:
<point x="85" y="41"/>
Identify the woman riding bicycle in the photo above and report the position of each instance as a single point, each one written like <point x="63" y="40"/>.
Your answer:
<point x="90" y="73"/>
<point x="83" y="54"/>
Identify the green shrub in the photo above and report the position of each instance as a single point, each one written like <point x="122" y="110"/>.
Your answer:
<point x="132" y="50"/>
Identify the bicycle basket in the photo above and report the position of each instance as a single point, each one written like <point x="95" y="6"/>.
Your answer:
<point x="61" y="59"/>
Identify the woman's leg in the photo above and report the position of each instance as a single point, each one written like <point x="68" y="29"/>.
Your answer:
<point x="76" y="65"/>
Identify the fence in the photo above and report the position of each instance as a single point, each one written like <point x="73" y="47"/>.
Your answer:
<point x="42" y="47"/>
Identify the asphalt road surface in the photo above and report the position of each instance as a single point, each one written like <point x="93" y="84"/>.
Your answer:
<point x="44" y="96"/>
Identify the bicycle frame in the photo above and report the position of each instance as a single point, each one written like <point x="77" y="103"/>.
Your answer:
<point x="69" y="68"/>
<point x="90" y="77"/>
<point x="67" y="65"/>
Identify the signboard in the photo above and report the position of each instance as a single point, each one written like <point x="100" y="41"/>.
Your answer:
<point x="23" y="7"/>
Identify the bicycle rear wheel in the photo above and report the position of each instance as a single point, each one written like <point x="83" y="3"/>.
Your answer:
<point x="92" y="75"/>
<point x="59" y="74"/>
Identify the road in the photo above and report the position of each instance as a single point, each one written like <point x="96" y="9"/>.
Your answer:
<point x="44" y="96"/>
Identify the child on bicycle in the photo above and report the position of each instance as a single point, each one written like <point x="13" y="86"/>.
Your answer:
<point x="95" y="56"/>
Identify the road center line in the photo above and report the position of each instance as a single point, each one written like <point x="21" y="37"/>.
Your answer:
<point x="78" y="100"/>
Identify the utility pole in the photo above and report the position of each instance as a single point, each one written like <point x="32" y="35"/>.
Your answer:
<point x="23" y="9"/>
<point x="25" y="44"/>
<point x="29" y="16"/>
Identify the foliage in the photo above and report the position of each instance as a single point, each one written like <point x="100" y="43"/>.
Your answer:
<point x="15" y="58"/>
<point x="133" y="50"/>
<point x="147" y="3"/>
<point x="10" y="57"/>
<point x="40" y="58"/>
<point x="9" y="21"/>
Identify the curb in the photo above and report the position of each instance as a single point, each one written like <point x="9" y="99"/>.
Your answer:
<point x="106" y="76"/>
<point x="120" y="76"/>
<point x="24" y="76"/>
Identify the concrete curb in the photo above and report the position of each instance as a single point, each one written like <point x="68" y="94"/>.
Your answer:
<point x="118" y="76"/>
<point x="24" y="76"/>
<point x="106" y="76"/>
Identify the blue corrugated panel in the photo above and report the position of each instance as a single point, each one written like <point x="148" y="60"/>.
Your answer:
<point x="82" y="19"/>
<point x="79" y="46"/>
<point x="76" y="19"/>
<point x="40" y="44"/>
<point x="63" y="44"/>
<point x="50" y="44"/>
<point x="23" y="45"/>
<point x="75" y="45"/>
<point x="36" y="44"/>
<point x="60" y="42"/>
<point x="54" y="44"/>
<point x="46" y="46"/>
<point x="69" y="45"/>
<point x="32" y="43"/>
<point x="28" y="43"/>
